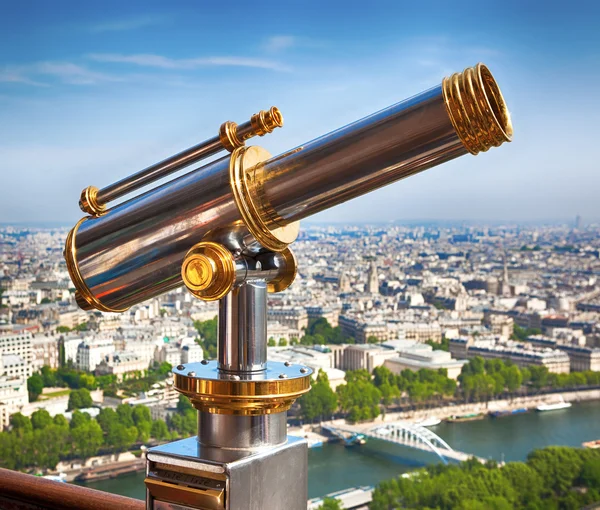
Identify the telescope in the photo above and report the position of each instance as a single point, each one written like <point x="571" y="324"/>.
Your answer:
<point x="224" y="230"/>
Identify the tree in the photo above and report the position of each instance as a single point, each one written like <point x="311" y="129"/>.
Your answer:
<point x="41" y="419"/>
<point x="331" y="504"/>
<point x="49" y="376"/>
<point x="208" y="336"/>
<point x="35" y="386"/>
<point x="21" y="422"/>
<point x="320" y="401"/>
<point x="271" y="342"/>
<point x="79" y="399"/>
<point x="282" y="342"/>
<point x="184" y="404"/>
<point x="359" y="397"/>
<point x="125" y="415"/>
<point x="159" y="430"/>
<point x="87" y="438"/>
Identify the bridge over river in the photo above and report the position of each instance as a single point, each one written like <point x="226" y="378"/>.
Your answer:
<point x="404" y="433"/>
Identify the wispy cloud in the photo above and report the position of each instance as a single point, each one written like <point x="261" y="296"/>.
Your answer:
<point x="278" y="43"/>
<point x="159" y="61"/>
<point x="65" y="72"/>
<point x="126" y="24"/>
<point x="16" y="75"/>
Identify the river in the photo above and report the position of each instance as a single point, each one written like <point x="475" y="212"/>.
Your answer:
<point x="334" y="467"/>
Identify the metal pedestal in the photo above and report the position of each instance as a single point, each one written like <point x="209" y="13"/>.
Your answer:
<point x="187" y="475"/>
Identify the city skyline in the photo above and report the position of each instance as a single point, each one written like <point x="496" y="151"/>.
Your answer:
<point x="89" y="95"/>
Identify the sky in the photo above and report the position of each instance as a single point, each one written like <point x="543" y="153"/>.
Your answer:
<point x="93" y="91"/>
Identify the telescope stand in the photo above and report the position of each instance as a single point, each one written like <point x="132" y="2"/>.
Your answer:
<point x="242" y="458"/>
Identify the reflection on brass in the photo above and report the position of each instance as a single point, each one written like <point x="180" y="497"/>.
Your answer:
<point x="208" y="271"/>
<point x="233" y="135"/>
<point x="208" y="499"/>
<point x="88" y="202"/>
<point x="83" y="293"/>
<point x="477" y="109"/>
<point x="244" y="188"/>
<point x="243" y="397"/>
<point x="287" y="274"/>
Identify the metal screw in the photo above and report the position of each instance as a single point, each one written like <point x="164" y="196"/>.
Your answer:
<point x="192" y="373"/>
<point x="180" y="367"/>
<point x="287" y="364"/>
<point x="282" y="376"/>
<point x="303" y="370"/>
<point x="204" y="362"/>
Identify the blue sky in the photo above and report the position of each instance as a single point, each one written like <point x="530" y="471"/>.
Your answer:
<point x="93" y="91"/>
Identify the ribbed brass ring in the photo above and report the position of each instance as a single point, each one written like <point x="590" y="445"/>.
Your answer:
<point x="228" y="136"/>
<point x="241" y="173"/>
<point x="477" y="109"/>
<point x="84" y="292"/>
<point x="287" y="274"/>
<point x="88" y="202"/>
<point x="208" y="392"/>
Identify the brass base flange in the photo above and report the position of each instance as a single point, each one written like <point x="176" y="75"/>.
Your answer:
<point x="273" y="390"/>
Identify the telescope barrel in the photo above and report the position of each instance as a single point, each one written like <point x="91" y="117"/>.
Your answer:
<point x="135" y="251"/>
<point x="464" y="114"/>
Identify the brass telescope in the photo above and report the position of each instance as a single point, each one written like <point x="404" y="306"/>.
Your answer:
<point x="223" y="231"/>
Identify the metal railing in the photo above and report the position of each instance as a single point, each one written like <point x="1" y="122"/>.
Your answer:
<point x="21" y="491"/>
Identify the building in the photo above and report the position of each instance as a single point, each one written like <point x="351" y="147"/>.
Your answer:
<point x="423" y="331"/>
<point x="362" y="331"/>
<point x="120" y="363"/>
<point x="44" y="352"/>
<point x="372" y="279"/>
<point x="367" y="357"/>
<point x="415" y="356"/>
<point x="191" y="353"/>
<point x="521" y="354"/>
<point x="581" y="357"/>
<point x="317" y="357"/>
<point x="277" y="331"/>
<point x="294" y="317"/>
<point x="168" y="353"/>
<point x="68" y="349"/>
<point x="13" y="366"/>
<point x="91" y="352"/>
<point x="13" y="396"/>
<point x="325" y="312"/>
<point x="19" y="344"/>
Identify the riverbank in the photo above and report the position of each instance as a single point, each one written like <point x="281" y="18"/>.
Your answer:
<point x="482" y="408"/>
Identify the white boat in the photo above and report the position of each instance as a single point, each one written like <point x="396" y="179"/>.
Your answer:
<point x="429" y="422"/>
<point x="561" y="404"/>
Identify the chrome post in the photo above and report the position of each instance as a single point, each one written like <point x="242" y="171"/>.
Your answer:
<point x="242" y="333"/>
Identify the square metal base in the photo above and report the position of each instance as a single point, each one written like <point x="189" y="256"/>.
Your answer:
<point x="185" y="475"/>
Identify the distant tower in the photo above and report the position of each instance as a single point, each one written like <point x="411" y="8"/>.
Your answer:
<point x="373" y="280"/>
<point x="344" y="283"/>
<point x="504" y="287"/>
<point x="578" y="222"/>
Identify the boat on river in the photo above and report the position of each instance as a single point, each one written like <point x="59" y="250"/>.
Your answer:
<point x="561" y="404"/>
<point x="457" y="418"/>
<point x="508" y="412"/>
<point x="431" y="421"/>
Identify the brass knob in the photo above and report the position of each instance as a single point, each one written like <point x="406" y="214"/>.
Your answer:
<point x="208" y="271"/>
